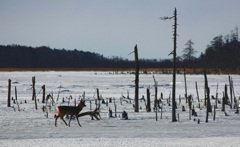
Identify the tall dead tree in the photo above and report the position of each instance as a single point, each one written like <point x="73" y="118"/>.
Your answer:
<point x="9" y="93"/>
<point x="174" y="63"/>
<point x="136" y="78"/>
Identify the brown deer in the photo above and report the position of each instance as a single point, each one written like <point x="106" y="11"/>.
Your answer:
<point x="69" y="110"/>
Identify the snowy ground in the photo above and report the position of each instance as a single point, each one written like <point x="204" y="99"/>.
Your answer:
<point x="30" y="127"/>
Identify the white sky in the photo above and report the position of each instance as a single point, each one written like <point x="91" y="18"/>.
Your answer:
<point x="114" y="27"/>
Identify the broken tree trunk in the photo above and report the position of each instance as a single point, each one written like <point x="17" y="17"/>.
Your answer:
<point x="43" y="97"/>
<point x="223" y="102"/>
<point x="98" y="94"/>
<point x="197" y="91"/>
<point x="186" y="96"/>
<point x="148" y="101"/>
<point x="9" y="93"/>
<point x="206" y="87"/>
<point x="216" y="100"/>
<point x="33" y="87"/>
<point x="136" y="78"/>
<point x="226" y="97"/>
<point x="15" y="93"/>
<point x="208" y="104"/>
<point x="230" y="87"/>
<point x="34" y="92"/>
<point x="156" y="101"/>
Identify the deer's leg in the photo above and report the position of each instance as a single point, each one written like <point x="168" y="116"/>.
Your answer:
<point x="56" y="120"/>
<point x="77" y="120"/>
<point x="70" y="120"/>
<point x="94" y="115"/>
<point x="63" y="120"/>
<point x="99" y="116"/>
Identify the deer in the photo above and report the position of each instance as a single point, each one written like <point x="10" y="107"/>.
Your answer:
<point x="69" y="110"/>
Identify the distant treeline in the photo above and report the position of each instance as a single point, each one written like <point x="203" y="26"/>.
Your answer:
<point x="16" y="56"/>
<point x="223" y="54"/>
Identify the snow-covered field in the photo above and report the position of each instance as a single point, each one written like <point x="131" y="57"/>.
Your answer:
<point x="30" y="127"/>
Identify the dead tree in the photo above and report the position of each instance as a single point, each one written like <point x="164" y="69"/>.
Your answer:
<point x="226" y="97"/>
<point x="208" y="104"/>
<point x="174" y="63"/>
<point x="205" y="87"/>
<point x="223" y="102"/>
<point x="33" y="88"/>
<point x="155" y="101"/>
<point x="186" y="96"/>
<point x="230" y="87"/>
<point x="43" y="97"/>
<point x="216" y="101"/>
<point x="16" y="98"/>
<point x="9" y="93"/>
<point x="148" y="101"/>
<point x="34" y="92"/>
<point x="15" y="93"/>
<point x="136" y="78"/>
<point x="59" y="92"/>
<point x="197" y="91"/>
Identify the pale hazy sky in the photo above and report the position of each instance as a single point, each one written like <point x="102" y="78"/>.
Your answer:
<point x="114" y="27"/>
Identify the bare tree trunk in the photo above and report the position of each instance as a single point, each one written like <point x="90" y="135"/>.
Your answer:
<point x="214" y="114"/>
<point x="15" y="93"/>
<point x="186" y="96"/>
<point x="174" y="68"/>
<point x="34" y="92"/>
<point x="136" y="78"/>
<point x="9" y="93"/>
<point x="33" y="87"/>
<point x="197" y="91"/>
<point x="230" y="86"/>
<point x="223" y="102"/>
<point x="16" y="98"/>
<point x="208" y="104"/>
<point x="115" y="109"/>
<point x="43" y="97"/>
<point x="98" y="94"/>
<point x="216" y="101"/>
<point x="205" y="88"/>
<point x="148" y="101"/>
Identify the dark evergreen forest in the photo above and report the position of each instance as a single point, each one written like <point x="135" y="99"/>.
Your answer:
<point x="223" y="53"/>
<point x="16" y="56"/>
